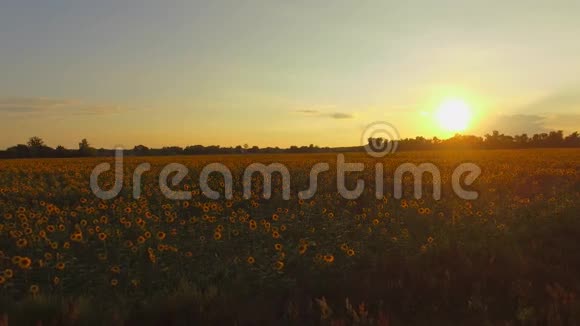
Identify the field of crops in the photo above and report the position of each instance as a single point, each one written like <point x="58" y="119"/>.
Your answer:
<point x="509" y="257"/>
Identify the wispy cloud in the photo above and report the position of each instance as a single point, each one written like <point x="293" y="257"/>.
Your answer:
<point x="39" y="106"/>
<point x="532" y="123"/>
<point x="516" y="124"/>
<point x="324" y="114"/>
<point x="308" y="111"/>
<point x="339" y="115"/>
<point x="562" y="101"/>
<point x="559" y="110"/>
<point x="567" y="122"/>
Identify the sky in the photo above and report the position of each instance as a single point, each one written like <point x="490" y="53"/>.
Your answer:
<point x="281" y="73"/>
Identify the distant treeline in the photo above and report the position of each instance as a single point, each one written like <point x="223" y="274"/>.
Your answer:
<point x="35" y="147"/>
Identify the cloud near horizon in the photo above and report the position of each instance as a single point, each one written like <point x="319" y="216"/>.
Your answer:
<point x="558" y="110"/>
<point x="308" y="111"/>
<point x="332" y="115"/>
<point x="531" y="123"/>
<point x="562" y="101"/>
<point x="41" y="105"/>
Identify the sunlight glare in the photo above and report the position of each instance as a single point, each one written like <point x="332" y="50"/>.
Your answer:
<point x="454" y="115"/>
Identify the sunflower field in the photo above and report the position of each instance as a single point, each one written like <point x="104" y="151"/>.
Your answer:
<point x="509" y="257"/>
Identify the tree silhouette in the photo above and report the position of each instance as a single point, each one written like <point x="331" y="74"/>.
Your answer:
<point x="85" y="148"/>
<point x="35" y="142"/>
<point x="36" y="147"/>
<point x="573" y="140"/>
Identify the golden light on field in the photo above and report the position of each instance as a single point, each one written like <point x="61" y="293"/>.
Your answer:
<point x="454" y="115"/>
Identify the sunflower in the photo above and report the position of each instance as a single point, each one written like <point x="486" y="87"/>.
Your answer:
<point x="34" y="289"/>
<point x="25" y="263"/>
<point x="161" y="235"/>
<point x="21" y="243"/>
<point x="279" y="265"/>
<point x="350" y="252"/>
<point x="302" y="249"/>
<point x="60" y="266"/>
<point x="328" y="258"/>
<point x="251" y="260"/>
<point x="253" y="225"/>
<point x="278" y="247"/>
<point x="8" y="273"/>
<point x="102" y="236"/>
<point x="77" y="236"/>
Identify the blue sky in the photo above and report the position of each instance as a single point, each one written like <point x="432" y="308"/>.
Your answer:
<point x="277" y="73"/>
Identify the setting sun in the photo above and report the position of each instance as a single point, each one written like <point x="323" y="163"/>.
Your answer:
<point x="454" y="115"/>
